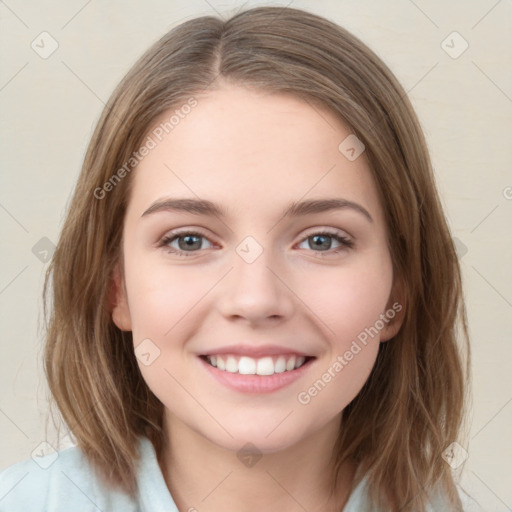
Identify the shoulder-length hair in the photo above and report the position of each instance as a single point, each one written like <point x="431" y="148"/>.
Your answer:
<point x="412" y="406"/>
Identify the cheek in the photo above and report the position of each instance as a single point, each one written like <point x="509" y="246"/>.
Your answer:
<point x="351" y="307"/>
<point x="335" y="384"/>
<point x="348" y="300"/>
<point x="350" y="303"/>
<point x="162" y="301"/>
<point x="161" y="297"/>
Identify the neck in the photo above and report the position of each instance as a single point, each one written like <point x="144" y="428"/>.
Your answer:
<point x="204" y="477"/>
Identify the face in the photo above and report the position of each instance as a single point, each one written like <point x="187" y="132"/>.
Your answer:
<point x="224" y="305"/>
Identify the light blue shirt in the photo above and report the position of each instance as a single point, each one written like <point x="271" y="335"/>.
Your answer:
<point x="65" y="482"/>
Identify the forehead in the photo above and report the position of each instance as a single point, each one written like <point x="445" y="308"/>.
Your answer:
<point x="246" y="148"/>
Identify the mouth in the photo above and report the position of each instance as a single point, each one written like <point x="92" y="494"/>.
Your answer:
<point x="262" y="366"/>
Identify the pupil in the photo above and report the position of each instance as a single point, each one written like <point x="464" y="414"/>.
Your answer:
<point x="188" y="242"/>
<point x="327" y="245"/>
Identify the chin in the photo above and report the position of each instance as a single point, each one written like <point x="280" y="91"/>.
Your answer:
<point x="265" y="439"/>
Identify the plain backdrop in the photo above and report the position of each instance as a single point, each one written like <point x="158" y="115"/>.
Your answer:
<point x="454" y="59"/>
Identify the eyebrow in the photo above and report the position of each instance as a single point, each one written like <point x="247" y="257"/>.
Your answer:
<point x="295" y="209"/>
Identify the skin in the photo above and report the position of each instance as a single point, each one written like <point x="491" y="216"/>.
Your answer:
<point x="254" y="153"/>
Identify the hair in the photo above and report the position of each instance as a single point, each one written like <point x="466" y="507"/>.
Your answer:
<point x="413" y="404"/>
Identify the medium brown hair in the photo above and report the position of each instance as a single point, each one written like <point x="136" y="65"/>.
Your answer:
<point x="412" y="405"/>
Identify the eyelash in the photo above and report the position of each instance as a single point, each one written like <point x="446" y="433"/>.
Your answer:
<point x="345" y="242"/>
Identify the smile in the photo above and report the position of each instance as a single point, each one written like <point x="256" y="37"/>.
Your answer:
<point x="245" y="365"/>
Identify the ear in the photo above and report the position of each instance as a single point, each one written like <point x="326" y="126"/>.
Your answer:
<point x="118" y="303"/>
<point x="394" y="315"/>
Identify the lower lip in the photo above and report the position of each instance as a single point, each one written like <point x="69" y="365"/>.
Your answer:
<point x="256" y="383"/>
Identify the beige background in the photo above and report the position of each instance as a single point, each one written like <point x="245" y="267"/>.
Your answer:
<point x="50" y="105"/>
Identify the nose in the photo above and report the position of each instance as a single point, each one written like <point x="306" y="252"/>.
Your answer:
<point x="255" y="291"/>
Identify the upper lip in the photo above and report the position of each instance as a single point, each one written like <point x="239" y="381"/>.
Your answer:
<point x="255" y="351"/>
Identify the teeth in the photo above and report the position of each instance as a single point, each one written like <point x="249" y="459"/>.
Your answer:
<point x="231" y="365"/>
<point x="247" y="366"/>
<point x="265" y="366"/>
<point x="250" y="366"/>
<point x="280" y="365"/>
<point x="300" y="361"/>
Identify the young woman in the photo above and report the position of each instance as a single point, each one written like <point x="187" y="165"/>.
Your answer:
<point x="255" y="298"/>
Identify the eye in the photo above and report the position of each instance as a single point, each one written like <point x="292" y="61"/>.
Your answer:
<point x="323" y="240"/>
<point x="188" y="242"/>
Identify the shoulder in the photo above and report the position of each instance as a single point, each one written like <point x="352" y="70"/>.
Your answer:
<point x="359" y="500"/>
<point x="58" y="482"/>
<point x="440" y="501"/>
